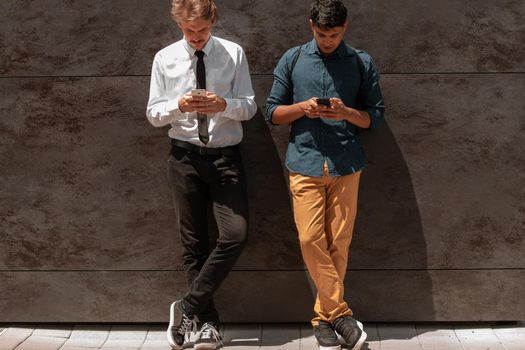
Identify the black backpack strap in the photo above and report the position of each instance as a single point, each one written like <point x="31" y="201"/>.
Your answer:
<point x="362" y="73"/>
<point x="295" y="57"/>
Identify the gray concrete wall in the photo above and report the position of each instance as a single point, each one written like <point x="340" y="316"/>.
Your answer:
<point x="86" y="226"/>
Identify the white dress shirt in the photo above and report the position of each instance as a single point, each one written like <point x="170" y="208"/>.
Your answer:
<point x="227" y="75"/>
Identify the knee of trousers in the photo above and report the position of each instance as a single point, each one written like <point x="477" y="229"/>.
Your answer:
<point x="309" y="238"/>
<point x="234" y="240"/>
<point x="190" y="257"/>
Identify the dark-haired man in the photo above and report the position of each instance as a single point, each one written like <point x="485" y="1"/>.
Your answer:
<point x="201" y="87"/>
<point x="327" y="91"/>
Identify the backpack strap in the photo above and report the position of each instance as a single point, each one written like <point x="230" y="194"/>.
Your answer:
<point x="362" y="73"/>
<point x="295" y="57"/>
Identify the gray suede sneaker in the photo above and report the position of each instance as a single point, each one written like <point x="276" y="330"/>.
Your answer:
<point x="351" y="330"/>
<point x="326" y="337"/>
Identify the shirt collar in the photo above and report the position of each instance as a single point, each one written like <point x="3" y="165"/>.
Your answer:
<point x="207" y="48"/>
<point x="342" y="50"/>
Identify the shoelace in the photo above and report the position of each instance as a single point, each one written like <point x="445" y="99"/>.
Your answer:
<point x="209" y="331"/>
<point x="188" y="325"/>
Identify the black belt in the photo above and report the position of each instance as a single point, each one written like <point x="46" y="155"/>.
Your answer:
<point x="205" y="151"/>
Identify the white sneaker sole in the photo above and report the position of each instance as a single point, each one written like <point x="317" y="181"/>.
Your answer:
<point x="338" y="347"/>
<point x="169" y="336"/>
<point x="204" y="346"/>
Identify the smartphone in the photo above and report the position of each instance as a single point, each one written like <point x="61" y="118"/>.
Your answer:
<point x="198" y="92"/>
<point x="323" y="102"/>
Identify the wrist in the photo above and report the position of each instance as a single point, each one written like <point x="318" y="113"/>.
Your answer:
<point x="182" y="107"/>
<point x="303" y="106"/>
<point x="350" y="112"/>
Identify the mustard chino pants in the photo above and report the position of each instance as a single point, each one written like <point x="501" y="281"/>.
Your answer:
<point x="324" y="211"/>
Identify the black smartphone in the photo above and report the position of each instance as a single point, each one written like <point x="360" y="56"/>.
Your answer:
<point x="323" y="102"/>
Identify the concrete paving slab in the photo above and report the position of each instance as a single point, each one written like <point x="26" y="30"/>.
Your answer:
<point x="400" y="344"/>
<point x="519" y="345"/>
<point x="156" y="339"/>
<point x="41" y="343"/>
<point x="371" y="332"/>
<point x="53" y="330"/>
<point x="386" y="331"/>
<point x="509" y="329"/>
<point x="435" y="338"/>
<point x="126" y="336"/>
<point x="307" y="337"/>
<point x="280" y="337"/>
<point x="13" y="336"/>
<point x="243" y="336"/>
<point x="372" y="339"/>
<point x="93" y="336"/>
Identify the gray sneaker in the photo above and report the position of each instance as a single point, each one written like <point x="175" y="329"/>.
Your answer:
<point x="180" y="325"/>
<point x="209" y="337"/>
<point x="326" y="337"/>
<point x="351" y="330"/>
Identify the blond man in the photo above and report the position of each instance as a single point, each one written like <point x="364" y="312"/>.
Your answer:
<point x="201" y="88"/>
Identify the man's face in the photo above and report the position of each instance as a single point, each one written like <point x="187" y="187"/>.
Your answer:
<point x="328" y="39"/>
<point x="197" y="32"/>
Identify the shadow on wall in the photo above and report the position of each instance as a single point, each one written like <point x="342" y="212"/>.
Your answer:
<point x="388" y="251"/>
<point x="387" y="278"/>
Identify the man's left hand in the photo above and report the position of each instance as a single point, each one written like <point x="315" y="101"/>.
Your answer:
<point x="337" y="110"/>
<point x="210" y="104"/>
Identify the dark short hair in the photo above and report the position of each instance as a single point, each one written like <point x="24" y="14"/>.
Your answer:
<point x="328" y="13"/>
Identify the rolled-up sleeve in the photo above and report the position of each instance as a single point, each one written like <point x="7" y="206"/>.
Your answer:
<point x="160" y="110"/>
<point x="281" y="87"/>
<point x="371" y="98"/>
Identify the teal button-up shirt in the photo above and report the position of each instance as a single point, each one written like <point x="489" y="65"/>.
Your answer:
<point x="316" y="140"/>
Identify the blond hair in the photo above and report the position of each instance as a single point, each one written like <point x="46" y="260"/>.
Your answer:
<point x="190" y="10"/>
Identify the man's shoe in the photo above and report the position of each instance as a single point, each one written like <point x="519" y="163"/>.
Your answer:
<point x="351" y="330"/>
<point x="326" y="337"/>
<point x="180" y="325"/>
<point x="209" y="338"/>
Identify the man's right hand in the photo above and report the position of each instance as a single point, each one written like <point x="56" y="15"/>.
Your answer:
<point x="185" y="103"/>
<point x="311" y="109"/>
<point x="286" y="114"/>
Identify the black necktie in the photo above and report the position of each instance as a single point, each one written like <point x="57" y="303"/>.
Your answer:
<point x="201" y="84"/>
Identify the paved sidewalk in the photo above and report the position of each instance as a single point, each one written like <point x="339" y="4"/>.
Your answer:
<point x="266" y="336"/>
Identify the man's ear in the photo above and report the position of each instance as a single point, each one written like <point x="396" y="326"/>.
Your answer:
<point x="311" y="24"/>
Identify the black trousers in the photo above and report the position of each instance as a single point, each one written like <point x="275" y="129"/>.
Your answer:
<point x="197" y="181"/>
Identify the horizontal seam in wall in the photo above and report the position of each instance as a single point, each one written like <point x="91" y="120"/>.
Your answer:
<point x="283" y="270"/>
<point x="253" y="75"/>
